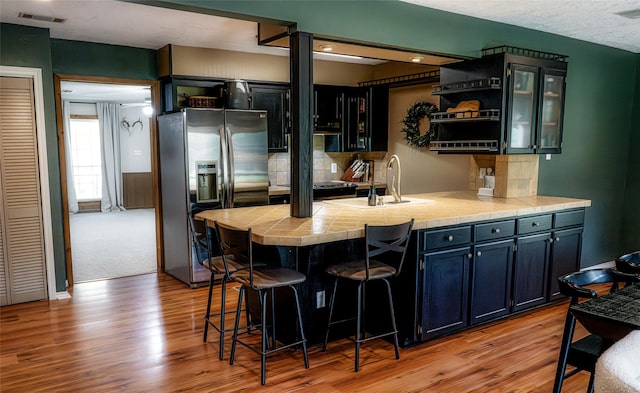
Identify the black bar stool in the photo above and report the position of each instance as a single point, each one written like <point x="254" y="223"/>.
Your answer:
<point x="203" y="243"/>
<point x="388" y="245"/>
<point x="237" y="247"/>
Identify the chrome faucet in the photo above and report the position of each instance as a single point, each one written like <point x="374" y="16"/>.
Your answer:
<point x="394" y="187"/>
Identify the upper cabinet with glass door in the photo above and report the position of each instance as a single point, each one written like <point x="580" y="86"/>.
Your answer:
<point x="553" y="84"/>
<point x="522" y="90"/>
<point x="522" y="111"/>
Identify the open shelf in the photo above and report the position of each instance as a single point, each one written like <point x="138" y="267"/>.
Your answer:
<point x="466" y="86"/>
<point x="480" y="115"/>
<point x="471" y="145"/>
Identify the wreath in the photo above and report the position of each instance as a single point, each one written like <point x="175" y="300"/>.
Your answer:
<point x="412" y="120"/>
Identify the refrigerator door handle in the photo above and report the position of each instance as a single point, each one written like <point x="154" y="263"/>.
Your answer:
<point x="231" y="167"/>
<point x="225" y="167"/>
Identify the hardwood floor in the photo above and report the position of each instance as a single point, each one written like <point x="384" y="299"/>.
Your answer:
<point x="144" y="334"/>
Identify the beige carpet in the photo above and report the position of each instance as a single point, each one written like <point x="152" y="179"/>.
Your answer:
<point x="111" y="245"/>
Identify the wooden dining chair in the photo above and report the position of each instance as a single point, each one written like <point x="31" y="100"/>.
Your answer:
<point x="583" y="354"/>
<point x="629" y="263"/>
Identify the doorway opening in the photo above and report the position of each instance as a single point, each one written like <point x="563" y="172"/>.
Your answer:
<point x="107" y="150"/>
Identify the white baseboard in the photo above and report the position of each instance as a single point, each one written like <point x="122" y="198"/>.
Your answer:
<point x="62" y="295"/>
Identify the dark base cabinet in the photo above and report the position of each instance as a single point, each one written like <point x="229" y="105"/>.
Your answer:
<point x="565" y="250"/>
<point x="446" y="283"/>
<point x="491" y="281"/>
<point x="530" y="271"/>
<point x="480" y="272"/>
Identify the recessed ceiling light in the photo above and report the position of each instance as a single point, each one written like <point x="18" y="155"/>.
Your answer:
<point x="41" y="18"/>
<point x="416" y="59"/>
<point x="631" y="14"/>
<point x="326" y="48"/>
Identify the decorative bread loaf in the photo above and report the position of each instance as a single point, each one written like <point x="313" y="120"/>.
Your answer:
<point x="471" y="106"/>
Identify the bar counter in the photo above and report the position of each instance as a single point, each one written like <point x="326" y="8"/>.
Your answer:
<point x="344" y="219"/>
<point x="334" y="233"/>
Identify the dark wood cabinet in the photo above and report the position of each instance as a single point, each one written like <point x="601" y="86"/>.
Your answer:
<point x="328" y="109"/>
<point x="470" y="274"/>
<point x="565" y="249"/>
<point x="446" y="287"/>
<point x="275" y="100"/>
<point x="352" y="118"/>
<point x="378" y="118"/>
<point x="530" y="271"/>
<point x="491" y="281"/>
<point x="356" y="109"/>
<point x="176" y="90"/>
<point x="521" y="97"/>
<point x="565" y="257"/>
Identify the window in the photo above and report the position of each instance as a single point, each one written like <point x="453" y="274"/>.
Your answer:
<point x="85" y="158"/>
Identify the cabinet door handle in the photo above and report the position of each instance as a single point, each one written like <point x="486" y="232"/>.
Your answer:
<point x="495" y="230"/>
<point x="450" y="238"/>
<point x="557" y="239"/>
<point x="470" y="255"/>
<point x="479" y="253"/>
<point x="551" y="240"/>
<point x="535" y="224"/>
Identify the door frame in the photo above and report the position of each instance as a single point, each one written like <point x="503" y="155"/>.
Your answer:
<point x="153" y="130"/>
<point x="35" y="74"/>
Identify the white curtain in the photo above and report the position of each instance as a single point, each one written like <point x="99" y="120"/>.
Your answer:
<point x="109" y="123"/>
<point x="72" y="200"/>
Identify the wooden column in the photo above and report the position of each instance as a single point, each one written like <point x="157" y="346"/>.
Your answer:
<point x="301" y="143"/>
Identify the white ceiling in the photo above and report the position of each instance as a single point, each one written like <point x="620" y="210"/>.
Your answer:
<point x="123" y="23"/>
<point x="128" y="24"/>
<point x="587" y="20"/>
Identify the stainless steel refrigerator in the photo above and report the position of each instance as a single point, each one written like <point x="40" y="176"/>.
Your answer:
<point x="209" y="159"/>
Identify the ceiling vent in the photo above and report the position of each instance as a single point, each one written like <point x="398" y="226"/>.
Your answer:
<point x="631" y="14"/>
<point x="41" y="18"/>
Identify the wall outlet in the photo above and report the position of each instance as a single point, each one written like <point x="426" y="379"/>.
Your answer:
<point x="483" y="172"/>
<point x="320" y="299"/>
<point x="548" y="157"/>
<point x="334" y="167"/>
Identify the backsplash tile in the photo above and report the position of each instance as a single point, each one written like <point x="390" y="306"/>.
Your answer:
<point x="280" y="164"/>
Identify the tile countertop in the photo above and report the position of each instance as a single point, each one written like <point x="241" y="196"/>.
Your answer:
<point x="284" y="190"/>
<point x="343" y="219"/>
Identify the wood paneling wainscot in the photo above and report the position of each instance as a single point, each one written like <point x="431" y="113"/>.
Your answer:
<point x="137" y="190"/>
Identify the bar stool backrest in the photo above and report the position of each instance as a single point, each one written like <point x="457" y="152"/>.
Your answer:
<point x="387" y="244"/>
<point x="235" y="244"/>
<point x="199" y="240"/>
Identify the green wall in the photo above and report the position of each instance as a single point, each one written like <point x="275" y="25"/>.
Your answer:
<point x="631" y="226"/>
<point x="601" y="88"/>
<point x="22" y="46"/>
<point x="85" y="58"/>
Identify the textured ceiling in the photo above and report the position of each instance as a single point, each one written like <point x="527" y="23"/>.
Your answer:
<point x="587" y="20"/>
<point x="128" y="24"/>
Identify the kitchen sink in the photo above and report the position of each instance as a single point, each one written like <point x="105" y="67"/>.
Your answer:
<point x="387" y="199"/>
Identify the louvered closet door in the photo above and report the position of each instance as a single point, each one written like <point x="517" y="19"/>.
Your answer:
<point x="23" y="272"/>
